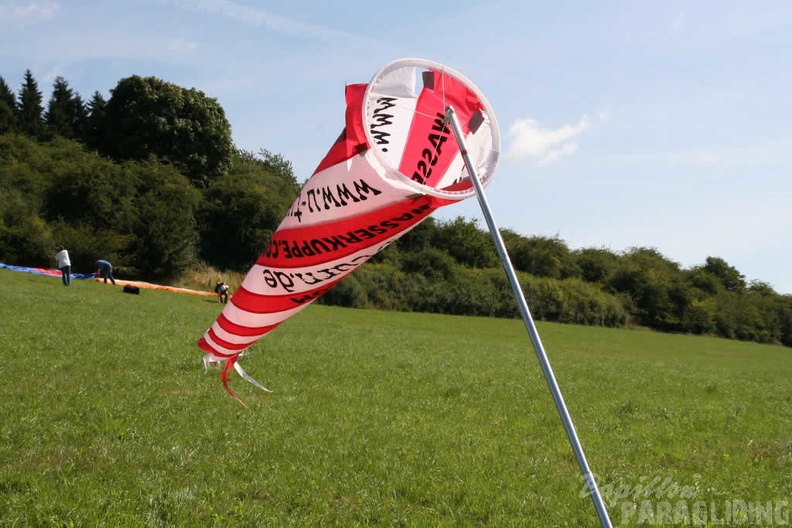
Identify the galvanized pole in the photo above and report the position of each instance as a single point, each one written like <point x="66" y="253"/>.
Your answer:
<point x="529" y="324"/>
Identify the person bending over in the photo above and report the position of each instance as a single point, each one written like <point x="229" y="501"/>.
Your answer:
<point x="105" y="271"/>
<point x="222" y="292"/>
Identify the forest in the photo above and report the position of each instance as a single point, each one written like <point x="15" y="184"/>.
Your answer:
<point x="150" y="179"/>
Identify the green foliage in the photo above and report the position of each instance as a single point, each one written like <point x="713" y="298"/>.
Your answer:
<point x="474" y="292"/>
<point x="654" y="286"/>
<point x="753" y="316"/>
<point x="431" y="263"/>
<point x="731" y="279"/>
<point x="66" y="114"/>
<point x="704" y="284"/>
<point x="31" y="107"/>
<point x="87" y="189"/>
<point x="86" y="244"/>
<point x="165" y="233"/>
<point x="139" y="216"/>
<point x="761" y="288"/>
<point x="385" y="287"/>
<point x="274" y="163"/>
<point x="146" y="116"/>
<point x="700" y="317"/>
<point x="784" y="311"/>
<point x="573" y="301"/>
<point x="349" y="293"/>
<point x="24" y="236"/>
<point x="596" y="264"/>
<point x="21" y="167"/>
<point x="240" y="210"/>
<point x="96" y="122"/>
<point x="463" y="240"/>
<point x="434" y="283"/>
<point x="8" y="109"/>
<point x="541" y="256"/>
<point x="419" y="237"/>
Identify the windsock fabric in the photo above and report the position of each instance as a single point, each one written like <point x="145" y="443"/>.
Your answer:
<point x="395" y="162"/>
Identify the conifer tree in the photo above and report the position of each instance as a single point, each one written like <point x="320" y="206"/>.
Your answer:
<point x="66" y="113"/>
<point x="93" y="132"/>
<point x="8" y="109"/>
<point x="31" y="121"/>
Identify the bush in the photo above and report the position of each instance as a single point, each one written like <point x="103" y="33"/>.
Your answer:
<point x="86" y="245"/>
<point x="699" y="317"/>
<point x="165" y="234"/>
<point x="574" y="301"/>
<point x="25" y="239"/>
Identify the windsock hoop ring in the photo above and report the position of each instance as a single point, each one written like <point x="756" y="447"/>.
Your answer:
<point x="399" y="104"/>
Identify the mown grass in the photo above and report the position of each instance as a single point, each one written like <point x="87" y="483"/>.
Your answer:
<point x="378" y="418"/>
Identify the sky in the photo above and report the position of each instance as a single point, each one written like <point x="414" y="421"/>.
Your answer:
<point x="623" y="123"/>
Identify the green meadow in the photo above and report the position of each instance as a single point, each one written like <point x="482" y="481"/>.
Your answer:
<point x="107" y="418"/>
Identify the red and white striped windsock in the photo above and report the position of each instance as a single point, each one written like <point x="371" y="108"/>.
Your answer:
<point x="395" y="162"/>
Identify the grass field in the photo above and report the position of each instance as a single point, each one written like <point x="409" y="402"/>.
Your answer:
<point x="376" y="419"/>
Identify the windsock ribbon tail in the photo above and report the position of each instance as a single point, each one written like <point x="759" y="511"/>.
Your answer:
<point x="231" y="363"/>
<point x="247" y="377"/>
<point x="225" y="375"/>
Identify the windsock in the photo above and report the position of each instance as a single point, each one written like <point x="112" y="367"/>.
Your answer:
<point x="395" y="162"/>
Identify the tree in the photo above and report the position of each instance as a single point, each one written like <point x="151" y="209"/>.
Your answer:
<point x="25" y="239"/>
<point x="655" y="286"/>
<point x="164" y="230"/>
<point x="146" y="117"/>
<point x="30" y="107"/>
<point x="66" y="113"/>
<point x="542" y="257"/>
<point x="595" y="264"/>
<point x="731" y="279"/>
<point x="431" y="263"/>
<point x="274" y="163"/>
<point x="469" y="245"/>
<point x="761" y="288"/>
<point x="419" y="237"/>
<point x="240" y="210"/>
<point x="8" y="109"/>
<point x="93" y="133"/>
<point x="86" y="189"/>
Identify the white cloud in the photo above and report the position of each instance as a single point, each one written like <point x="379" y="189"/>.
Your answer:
<point x="28" y="10"/>
<point x="545" y="146"/>
<point x="556" y="154"/>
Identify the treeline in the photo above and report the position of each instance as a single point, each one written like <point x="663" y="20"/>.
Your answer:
<point x="150" y="180"/>
<point x="452" y="267"/>
<point x="144" y="216"/>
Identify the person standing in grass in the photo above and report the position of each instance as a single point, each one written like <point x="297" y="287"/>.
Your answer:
<point x="64" y="264"/>
<point x="105" y="271"/>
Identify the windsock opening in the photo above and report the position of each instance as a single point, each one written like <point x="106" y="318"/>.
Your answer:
<point x="409" y="139"/>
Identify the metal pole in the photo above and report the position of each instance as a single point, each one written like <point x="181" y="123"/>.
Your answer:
<point x="529" y="324"/>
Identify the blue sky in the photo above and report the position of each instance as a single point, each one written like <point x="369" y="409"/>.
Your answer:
<point x="624" y="123"/>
